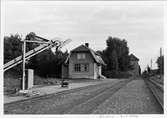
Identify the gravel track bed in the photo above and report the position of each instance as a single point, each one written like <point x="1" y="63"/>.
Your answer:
<point x="157" y="91"/>
<point x="134" y="98"/>
<point x="57" y="104"/>
<point x="91" y="104"/>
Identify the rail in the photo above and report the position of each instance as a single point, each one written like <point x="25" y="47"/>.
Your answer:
<point x="157" y="90"/>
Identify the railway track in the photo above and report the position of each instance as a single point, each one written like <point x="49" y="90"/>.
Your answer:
<point x="57" y="94"/>
<point x="89" y="105"/>
<point x="157" y="90"/>
<point x="92" y="100"/>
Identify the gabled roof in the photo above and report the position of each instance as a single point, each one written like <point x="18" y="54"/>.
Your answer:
<point x="133" y="58"/>
<point x="82" y="48"/>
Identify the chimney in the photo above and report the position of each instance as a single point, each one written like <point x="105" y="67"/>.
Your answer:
<point x="87" y="44"/>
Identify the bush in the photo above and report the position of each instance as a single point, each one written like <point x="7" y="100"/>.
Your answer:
<point x="11" y="82"/>
<point x="45" y="81"/>
<point x="117" y="74"/>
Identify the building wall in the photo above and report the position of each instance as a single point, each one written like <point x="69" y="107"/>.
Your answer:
<point x="97" y="69"/>
<point x="135" y="71"/>
<point x="88" y="59"/>
<point x="64" y="71"/>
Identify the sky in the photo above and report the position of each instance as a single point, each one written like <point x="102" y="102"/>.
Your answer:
<point x="140" y="25"/>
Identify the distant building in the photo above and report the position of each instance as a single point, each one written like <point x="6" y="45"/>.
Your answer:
<point x="135" y="65"/>
<point x="83" y="62"/>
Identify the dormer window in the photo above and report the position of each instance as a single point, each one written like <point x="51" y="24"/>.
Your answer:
<point x="80" y="56"/>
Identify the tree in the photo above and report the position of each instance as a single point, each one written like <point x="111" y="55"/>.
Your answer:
<point x="30" y="46"/>
<point x="160" y="63"/>
<point x="113" y="61"/>
<point x="32" y="62"/>
<point x="44" y="64"/>
<point x="116" y="54"/>
<point x="49" y="64"/>
<point x="12" y="49"/>
<point x="139" y="70"/>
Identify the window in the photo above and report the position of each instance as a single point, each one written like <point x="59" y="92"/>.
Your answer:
<point x="86" y="67"/>
<point x="81" y="56"/>
<point x="77" y="67"/>
<point x="81" y="67"/>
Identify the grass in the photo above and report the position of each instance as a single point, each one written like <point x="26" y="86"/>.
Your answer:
<point x="45" y="81"/>
<point x="12" y="83"/>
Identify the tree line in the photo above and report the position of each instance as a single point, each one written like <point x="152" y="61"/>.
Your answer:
<point x="160" y="65"/>
<point x="115" y="55"/>
<point x="45" y="64"/>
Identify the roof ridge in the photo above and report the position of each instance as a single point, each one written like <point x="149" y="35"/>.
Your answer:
<point x="134" y="57"/>
<point x="91" y="51"/>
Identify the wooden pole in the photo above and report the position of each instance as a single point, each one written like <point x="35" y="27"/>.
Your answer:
<point x="23" y="76"/>
<point x="40" y="42"/>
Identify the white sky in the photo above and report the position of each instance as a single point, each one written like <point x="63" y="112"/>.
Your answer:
<point x="140" y="25"/>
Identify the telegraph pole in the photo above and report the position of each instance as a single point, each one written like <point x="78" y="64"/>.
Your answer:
<point x="151" y="64"/>
<point x="160" y="52"/>
<point x="161" y="62"/>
